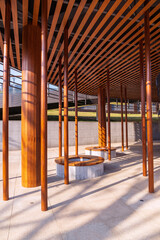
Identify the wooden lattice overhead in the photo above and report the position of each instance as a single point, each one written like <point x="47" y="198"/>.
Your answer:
<point x="102" y="35"/>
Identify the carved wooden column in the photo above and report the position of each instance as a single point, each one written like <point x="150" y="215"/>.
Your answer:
<point x="31" y="85"/>
<point x="6" y="100"/>
<point x="60" y="107"/>
<point x="66" y="168"/>
<point x="109" y="127"/>
<point x="101" y="117"/>
<point x="149" y="102"/>
<point x="143" y="88"/>
<point x="76" y="115"/>
<point x="122" y="134"/>
<point x="44" y="32"/>
<point x="126" y="122"/>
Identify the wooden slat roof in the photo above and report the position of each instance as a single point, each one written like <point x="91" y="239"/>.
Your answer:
<point x="102" y="35"/>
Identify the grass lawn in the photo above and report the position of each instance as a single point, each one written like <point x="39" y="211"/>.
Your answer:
<point x="89" y="115"/>
<point x="55" y="112"/>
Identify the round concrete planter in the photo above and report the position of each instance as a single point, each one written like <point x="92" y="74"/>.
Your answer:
<point x="81" y="167"/>
<point x="100" y="152"/>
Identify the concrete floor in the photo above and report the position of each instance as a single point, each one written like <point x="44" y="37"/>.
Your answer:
<point x="116" y="205"/>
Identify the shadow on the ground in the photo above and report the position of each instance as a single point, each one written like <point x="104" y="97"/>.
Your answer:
<point x="119" y="210"/>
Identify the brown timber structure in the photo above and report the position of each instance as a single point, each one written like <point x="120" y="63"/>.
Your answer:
<point x="6" y="101"/>
<point x="92" y="47"/>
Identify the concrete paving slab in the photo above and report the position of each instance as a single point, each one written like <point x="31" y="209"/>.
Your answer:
<point x="114" y="206"/>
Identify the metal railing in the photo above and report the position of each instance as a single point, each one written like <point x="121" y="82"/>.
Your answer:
<point x="15" y="89"/>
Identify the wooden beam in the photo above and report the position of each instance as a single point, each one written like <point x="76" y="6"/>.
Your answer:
<point x="98" y="58"/>
<point x="126" y="122"/>
<point x="121" y="62"/>
<point x="1" y="43"/>
<point x="143" y="88"/>
<point x="76" y="115"/>
<point x="95" y="32"/>
<point x="101" y="36"/>
<point x="25" y="12"/>
<point x="120" y="58"/>
<point x="131" y="49"/>
<point x="128" y="60"/>
<point x="109" y="124"/>
<point x="44" y="32"/>
<point x="66" y="167"/>
<point x="119" y="74"/>
<point x="16" y="31"/>
<point x="132" y="80"/>
<point x="60" y="32"/>
<point x="73" y="23"/>
<point x="48" y="7"/>
<point x="54" y="22"/>
<point x="122" y="134"/>
<point x="149" y="102"/>
<point x="82" y="24"/>
<point x="129" y="69"/>
<point x="6" y="101"/>
<point x="36" y="12"/>
<point x="93" y="75"/>
<point x="60" y="107"/>
<point x="98" y="50"/>
<point x="2" y="7"/>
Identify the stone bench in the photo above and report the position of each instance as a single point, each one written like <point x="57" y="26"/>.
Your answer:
<point x="81" y="167"/>
<point x="100" y="151"/>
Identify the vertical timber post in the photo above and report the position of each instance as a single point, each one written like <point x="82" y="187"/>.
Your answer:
<point x="104" y="116"/>
<point x="66" y="175"/>
<point x="60" y="107"/>
<point x="44" y="204"/>
<point x="6" y="100"/>
<point x="126" y="122"/>
<point x="122" y="119"/>
<point x="101" y="118"/>
<point x="142" y="79"/>
<point x="30" y="107"/>
<point x="76" y="115"/>
<point x="109" y="127"/>
<point x="149" y="101"/>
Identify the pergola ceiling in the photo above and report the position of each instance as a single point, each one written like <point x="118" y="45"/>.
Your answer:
<point x="102" y="35"/>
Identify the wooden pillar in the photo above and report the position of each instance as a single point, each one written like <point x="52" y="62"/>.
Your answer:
<point x="135" y="107"/>
<point x="157" y="107"/>
<point x="149" y="102"/>
<point x="66" y="169"/>
<point x="122" y="119"/>
<point x="76" y="115"/>
<point x="6" y="100"/>
<point x="60" y="107"/>
<point x="30" y="110"/>
<point x="109" y="128"/>
<point x="101" y="117"/>
<point x="104" y="117"/>
<point x="44" y="32"/>
<point x="143" y="87"/>
<point x="126" y="118"/>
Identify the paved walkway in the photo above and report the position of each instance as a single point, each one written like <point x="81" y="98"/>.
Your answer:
<point x="114" y="206"/>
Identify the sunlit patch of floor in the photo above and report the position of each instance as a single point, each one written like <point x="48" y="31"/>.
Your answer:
<point x="116" y="205"/>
